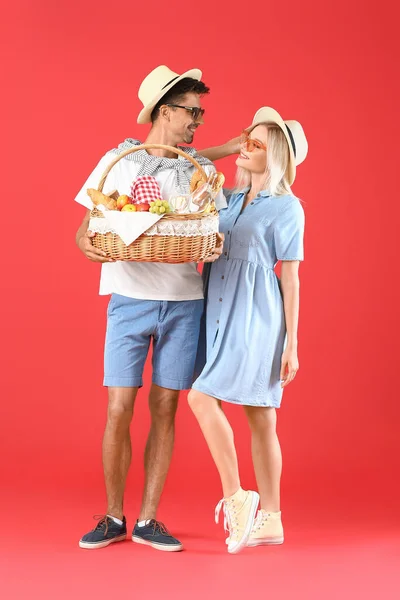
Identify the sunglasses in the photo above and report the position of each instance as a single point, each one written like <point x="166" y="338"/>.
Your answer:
<point x="249" y="143"/>
<point x="195" y="111"/>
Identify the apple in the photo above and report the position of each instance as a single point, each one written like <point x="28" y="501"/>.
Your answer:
<point x="122" y="201"/>
<point x="143" y="207"/>
<point x="129" y="208"/>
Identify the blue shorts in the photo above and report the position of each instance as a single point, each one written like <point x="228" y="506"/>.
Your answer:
<point x="132" y="324"/>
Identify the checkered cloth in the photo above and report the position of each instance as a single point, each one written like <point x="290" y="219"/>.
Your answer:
<point x="145" y="189"/>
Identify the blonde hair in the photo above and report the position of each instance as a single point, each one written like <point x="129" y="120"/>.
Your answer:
<point x="276" y="181"/>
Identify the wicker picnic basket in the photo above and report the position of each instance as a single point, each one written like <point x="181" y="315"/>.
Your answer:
<point x="176" y="238"/>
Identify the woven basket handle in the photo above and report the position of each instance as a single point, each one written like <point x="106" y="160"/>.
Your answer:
<point x="149" y="147"/>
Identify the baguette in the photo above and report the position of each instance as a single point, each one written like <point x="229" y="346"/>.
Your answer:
<point x="196" y="181"/>
<point x="100" y="198"/>
<point x="216" y="180"/>
<point x="114" y="194"/>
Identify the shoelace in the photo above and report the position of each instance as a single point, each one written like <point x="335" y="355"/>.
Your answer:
<point x="230" y="521"/>
<point x="159" y="528"/>
<point x="103" y="522"/>
<point x="258" y="521"/>
<point x="221" y="504"/>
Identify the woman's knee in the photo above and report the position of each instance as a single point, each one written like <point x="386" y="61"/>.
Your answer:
<point x="199" y="402"/>
<point x="261" y="418"/>
<point x="193" y="399"/>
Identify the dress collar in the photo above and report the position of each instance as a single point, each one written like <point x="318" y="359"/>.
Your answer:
<point x="262" y="194"/>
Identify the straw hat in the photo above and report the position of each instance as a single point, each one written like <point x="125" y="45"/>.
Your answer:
<point x="293" y="131"/>
<point x="156" y="85"/>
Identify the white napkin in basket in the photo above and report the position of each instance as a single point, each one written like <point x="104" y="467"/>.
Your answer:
<point x="130" y="225"/>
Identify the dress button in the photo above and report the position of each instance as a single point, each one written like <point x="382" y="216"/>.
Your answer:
<point x="223" y="277"/>
<point x="217" y="320"/>
<point x="252" y="203"/>
<point x="228" y="232"/>
<point x="225" y="254"/>
<point x="220" y="299"/>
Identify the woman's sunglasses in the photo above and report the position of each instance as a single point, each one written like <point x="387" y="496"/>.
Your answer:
<point x="195" y="111"/>
<point x="249" y="143"/>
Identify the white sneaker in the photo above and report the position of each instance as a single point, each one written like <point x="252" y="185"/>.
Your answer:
<point x="239" y="512"/>
<point x="267" y="529"/>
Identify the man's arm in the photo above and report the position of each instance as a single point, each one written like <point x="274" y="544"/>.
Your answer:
<point x="83" y="236"/>
<point x="217" y="152"/>
<point x="84" y="242"/>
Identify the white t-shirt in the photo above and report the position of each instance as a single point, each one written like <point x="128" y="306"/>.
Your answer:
<point x="144" y="280"/>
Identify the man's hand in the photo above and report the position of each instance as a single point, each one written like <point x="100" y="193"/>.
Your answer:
<point x="227" y="149"/>
<point x="233" y="145"/>
<point x="217" y="251"/>
<point x="92" y="253"/>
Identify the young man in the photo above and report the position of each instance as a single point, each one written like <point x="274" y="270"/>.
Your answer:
<point x="149" y="301"/>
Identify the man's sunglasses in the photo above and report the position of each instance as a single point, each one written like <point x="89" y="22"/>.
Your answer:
<point x="249" y="143"/>
<point x="195" y="111"/>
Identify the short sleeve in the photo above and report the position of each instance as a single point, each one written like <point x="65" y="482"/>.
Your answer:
<point x="289" y="233"/>
<point x="94" y="179"/>
<point x="228" y="193"/>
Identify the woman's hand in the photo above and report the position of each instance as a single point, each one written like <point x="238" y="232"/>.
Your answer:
<point x="289" y="366"/>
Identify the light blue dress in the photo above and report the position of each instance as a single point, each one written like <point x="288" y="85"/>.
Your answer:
<point x="243" y="333"/>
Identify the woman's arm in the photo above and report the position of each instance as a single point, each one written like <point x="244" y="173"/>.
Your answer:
<point x="290" y="284"/>
<point x="217" y="152"/>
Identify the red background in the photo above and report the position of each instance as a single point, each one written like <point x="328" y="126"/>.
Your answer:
<point x="72" y="70"/>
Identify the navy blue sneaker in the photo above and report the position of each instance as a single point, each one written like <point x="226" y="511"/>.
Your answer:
<point x="105" y="533"/>
<point x="156" y="535"/>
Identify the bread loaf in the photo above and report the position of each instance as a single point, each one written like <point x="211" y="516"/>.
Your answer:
<point x="100" y="198"/>
<point x="196" y="181"/>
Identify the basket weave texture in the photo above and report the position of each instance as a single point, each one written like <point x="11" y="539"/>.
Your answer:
<point x="158" y="248"/>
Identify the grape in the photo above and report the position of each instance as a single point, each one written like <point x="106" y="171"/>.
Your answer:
<point x="160" y="207"/>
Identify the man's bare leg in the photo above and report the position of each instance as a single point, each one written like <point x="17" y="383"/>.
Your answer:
<point x="117" y="449"/>
<point x="157" y="458"/>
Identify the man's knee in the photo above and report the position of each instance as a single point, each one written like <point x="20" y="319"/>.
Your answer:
<point x="120" y="406"/>
<point x="163" y="406"/>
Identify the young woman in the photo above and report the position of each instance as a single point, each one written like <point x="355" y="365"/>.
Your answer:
<point x="250" y="314"/>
